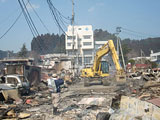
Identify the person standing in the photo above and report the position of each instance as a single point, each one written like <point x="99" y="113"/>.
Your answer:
<point x="54" y="84"/>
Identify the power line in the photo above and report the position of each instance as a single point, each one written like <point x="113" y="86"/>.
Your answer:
<point x="60" y="19"/>
<point x="10" y="15"/>
<point x="36" y="31"/>
<point x="31" y="24"/>
<point x="67" y="18"/>
<point x="52" y="8"/>
<point x="11" y="25"/>
<point x="56" y="15"/>
<point x="133" y="34"/>
<point x="39" y="17"/>
<point x="27" y="19"/>
<point x="139" y="33"/>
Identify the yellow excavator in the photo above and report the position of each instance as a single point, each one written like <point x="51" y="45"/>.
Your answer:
<point x="100" y="69"/>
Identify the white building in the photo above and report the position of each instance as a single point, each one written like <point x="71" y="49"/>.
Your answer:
<point x="99" y="44"/>
<point x="83" y="43"/>
<point x="155" y="56"/>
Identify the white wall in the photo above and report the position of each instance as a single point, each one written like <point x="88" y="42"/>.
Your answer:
<point x="99" y="44"/>
<point x="84" y="42"/>
<point x="80" y="33"/>
<point x="155" y="56"/>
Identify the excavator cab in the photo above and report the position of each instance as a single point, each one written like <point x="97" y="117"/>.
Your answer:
<point x="104" y="67"/>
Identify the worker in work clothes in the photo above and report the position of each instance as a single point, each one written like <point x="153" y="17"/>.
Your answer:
<point x="54" y="84"/>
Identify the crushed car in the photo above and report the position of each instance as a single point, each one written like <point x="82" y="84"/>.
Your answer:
<point x="19" y="82"/>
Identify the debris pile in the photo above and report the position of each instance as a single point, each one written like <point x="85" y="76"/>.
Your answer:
<point x="138" y="98"/>
<point x="135" y="109"/>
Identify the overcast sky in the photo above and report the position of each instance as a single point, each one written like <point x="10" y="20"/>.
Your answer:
<point x="140" y="17"/>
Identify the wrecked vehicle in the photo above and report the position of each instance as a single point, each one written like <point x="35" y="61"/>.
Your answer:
<point x="19" y="82"/>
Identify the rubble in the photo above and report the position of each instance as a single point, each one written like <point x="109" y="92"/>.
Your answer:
<point x="11" y="94"/>
<point x="133" y="108"/>
<point x="24" y="115"/>
<point x="23" y="67"/>
<point x="97" y="102"/>
<point x="155" y="101"/>
<point x="79" y="103"/>
<point x="101" y="101"/>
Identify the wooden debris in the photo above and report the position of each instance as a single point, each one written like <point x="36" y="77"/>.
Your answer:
<point x="32" y="102"/>
<point x="13" y="93"/>
<point x="151" y="84"/>
<point x="144" y="96"/>
<point x="11" y="113"/>
<point x="24" y="115"/>
<point x="7" y="106"/>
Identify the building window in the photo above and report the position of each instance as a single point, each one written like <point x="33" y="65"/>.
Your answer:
<point x="80" y="60"/>
<point x="87" y="52"/>
<point x="79" y="39"/>
<point x="70" y="37"/>
<point x="86" y="28"/>
<point x="79" y="45"/>
<point x="87" y="36"/>
<point x="70" y="53"/>
<point x="12" y="80"/>
<point x="87" y="43"/>
<point x="68" y="44"/>
<point x="154" y="57"/>
<point x="87" y="60"/>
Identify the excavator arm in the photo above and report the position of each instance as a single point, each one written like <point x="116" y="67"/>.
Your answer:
<point x="99" y="54"/>
<point x="105" y="49"/>
<point x="115" y="57"/>
<point x="96" y="71"/>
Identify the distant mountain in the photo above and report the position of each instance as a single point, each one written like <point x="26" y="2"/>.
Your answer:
<point x="51" y="43"/>
<point x="100" y="35"/>
<point x="132" y="48"/>
<point x="145" y="45"/>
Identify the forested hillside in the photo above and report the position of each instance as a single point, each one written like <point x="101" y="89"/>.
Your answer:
<point x="146" y="45"/>
<point x="54" y="43"/>
<point x="48" y="43"/>
<point x="100" y="35"/>
<point x="132" y="48"/>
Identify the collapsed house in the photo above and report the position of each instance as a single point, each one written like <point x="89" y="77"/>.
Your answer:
<point x="23" y="67"/>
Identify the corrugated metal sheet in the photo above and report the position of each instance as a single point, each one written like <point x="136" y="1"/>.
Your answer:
<point x="155" y="101"/>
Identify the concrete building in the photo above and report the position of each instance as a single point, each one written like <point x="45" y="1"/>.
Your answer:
<point x="99" y="44"/>
<point x="155" y="57"/>
<point x="83" y="43"/>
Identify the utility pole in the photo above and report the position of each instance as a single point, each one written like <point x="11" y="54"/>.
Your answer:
<point x="124" y="65"/>
<point x="72" y="23"/>
<point x="73" y="40"/>
<point x="118" y="30"/>
<point x="72" y="13"/>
